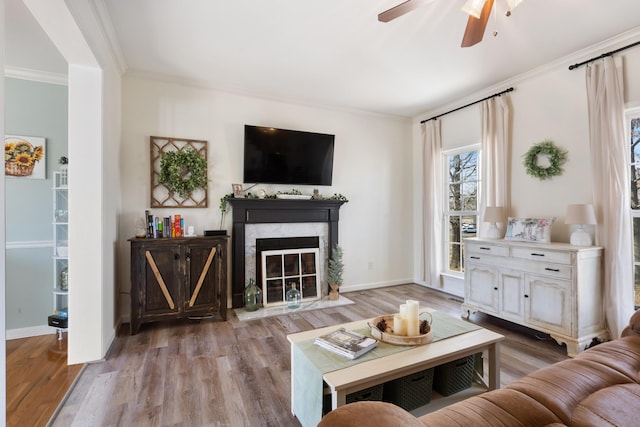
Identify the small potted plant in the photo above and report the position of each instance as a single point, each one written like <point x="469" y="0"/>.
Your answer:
<point x="334" y="273"/>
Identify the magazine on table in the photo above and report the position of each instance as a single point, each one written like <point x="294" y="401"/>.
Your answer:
<point x="346" y="343"/>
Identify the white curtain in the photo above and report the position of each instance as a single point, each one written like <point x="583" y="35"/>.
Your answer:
<point x="495" y="153"/>
<point x="432" y="203"/>
<point x="610" y="160"/>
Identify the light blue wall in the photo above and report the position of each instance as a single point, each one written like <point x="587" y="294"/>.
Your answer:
<point x="32" y="109"/>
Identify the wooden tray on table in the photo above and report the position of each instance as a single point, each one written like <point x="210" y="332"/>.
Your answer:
<point x="389" y="337"/>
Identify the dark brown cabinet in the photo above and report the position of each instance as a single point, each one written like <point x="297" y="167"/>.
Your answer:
<point x="173" y="278"/>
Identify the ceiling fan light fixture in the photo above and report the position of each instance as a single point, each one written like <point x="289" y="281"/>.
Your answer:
<point x="474" y="7"/>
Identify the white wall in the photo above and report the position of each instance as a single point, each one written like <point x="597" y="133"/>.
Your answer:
<point x="547" y="103"/>
<point x="370" y="168"/>
<point x="3" y="343"/>
<point x="94" y="120"/>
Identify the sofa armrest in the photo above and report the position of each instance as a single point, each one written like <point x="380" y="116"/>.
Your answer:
<point x="634" y="325"/>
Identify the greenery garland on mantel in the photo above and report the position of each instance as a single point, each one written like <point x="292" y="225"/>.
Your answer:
<point x="183" y="171"/>
<point x="557" y="157"/>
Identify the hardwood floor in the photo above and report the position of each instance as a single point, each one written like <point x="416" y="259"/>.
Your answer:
<point x="233" y="373"/>
<point x="37" y="379"/>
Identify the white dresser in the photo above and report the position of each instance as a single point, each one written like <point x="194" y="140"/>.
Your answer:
<point x="554" y="288"/>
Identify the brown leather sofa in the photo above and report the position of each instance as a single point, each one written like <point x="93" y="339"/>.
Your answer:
<point x="599" y="387"/>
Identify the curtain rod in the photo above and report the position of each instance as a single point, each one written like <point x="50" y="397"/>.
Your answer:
<point x="468" y="105"/>
<point x="604" y="55"/>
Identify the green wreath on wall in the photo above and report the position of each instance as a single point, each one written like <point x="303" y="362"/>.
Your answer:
<point x="183" y="171"/>
<point x="557" y="158"/>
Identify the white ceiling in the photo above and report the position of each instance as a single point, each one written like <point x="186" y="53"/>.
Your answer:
<point x="335" y="53"/>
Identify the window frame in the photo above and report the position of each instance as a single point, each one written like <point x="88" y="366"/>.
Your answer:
<point x="447" y="213"/>
<point x="633" y="113"/>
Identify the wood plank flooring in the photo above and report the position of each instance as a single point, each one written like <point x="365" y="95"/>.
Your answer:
<point x="233" y="373"/>
<point x="37" y="379"/>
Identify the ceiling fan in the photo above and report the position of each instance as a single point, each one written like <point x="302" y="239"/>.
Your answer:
<point x="478" y="10"/>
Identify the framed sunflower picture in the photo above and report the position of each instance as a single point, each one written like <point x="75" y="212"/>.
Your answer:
<point x="24" y="157"/>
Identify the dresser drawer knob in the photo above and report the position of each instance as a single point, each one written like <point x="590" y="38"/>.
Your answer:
<point x="535" y="254"/>
<point x="555" y="270"/>
<point x="484" y="248"/>
<point x="474" y="257"/>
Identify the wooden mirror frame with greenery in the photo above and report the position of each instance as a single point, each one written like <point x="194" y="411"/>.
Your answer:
<point x="178" y="173"/>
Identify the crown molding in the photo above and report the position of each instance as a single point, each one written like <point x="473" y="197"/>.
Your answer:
<point x="109" y="34"/>
<point x="36" y="75"/>
<point x="594" y="50"/>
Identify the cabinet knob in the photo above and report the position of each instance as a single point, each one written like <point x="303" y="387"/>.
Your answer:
<point x="495" y="288"/>
<point x="526" y="296"/>
<point x="176" y="256"/>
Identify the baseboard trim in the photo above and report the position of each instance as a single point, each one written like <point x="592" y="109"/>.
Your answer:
<point x="32" y="331"/>
<point x="374" y="285"/>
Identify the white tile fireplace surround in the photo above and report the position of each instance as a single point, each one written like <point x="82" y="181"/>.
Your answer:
<point x="254" y="232"/>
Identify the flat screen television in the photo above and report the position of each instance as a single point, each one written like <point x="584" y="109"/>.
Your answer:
<point x="282" y="156"/>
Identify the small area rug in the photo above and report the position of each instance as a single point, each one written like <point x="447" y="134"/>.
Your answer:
<point x="263" y="312"/>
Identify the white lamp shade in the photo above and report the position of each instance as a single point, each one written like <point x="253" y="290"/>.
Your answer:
<point x="581" y="214"/>
<point x="493" y="214"/>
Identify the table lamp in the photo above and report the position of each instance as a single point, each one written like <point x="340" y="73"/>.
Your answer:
<point x="581" y="215"/>
<point x="493" y="214"/>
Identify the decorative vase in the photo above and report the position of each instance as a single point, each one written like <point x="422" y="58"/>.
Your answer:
<point x="333" y="292"/>
<point x="293" y="297"/>
<point x="252" y="296"/>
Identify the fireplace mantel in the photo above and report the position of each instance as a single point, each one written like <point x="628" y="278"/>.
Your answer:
<point x="279" y="211"/>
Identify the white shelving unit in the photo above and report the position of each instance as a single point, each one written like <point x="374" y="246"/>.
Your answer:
<point x="60" y="253"/>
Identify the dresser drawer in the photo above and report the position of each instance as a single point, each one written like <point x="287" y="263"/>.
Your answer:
<point x="541" y="255"/>
<point x="486" y="249"/>
<point x="557" y="271"/>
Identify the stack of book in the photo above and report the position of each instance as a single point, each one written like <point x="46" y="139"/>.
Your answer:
<point x="164" y="227"/>
<point x="346" y="343"/>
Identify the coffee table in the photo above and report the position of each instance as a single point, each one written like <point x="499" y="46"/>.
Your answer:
<point x="359" y="376"/>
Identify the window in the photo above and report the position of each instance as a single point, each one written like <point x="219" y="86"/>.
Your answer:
<point x="633" y="129"/>
<point x="461" y="204"/>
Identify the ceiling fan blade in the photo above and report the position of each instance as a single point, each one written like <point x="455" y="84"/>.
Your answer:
<point x="399" y="10"/>
<point x="474" y="31"/>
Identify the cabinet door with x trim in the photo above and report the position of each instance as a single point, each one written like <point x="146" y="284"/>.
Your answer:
<point x="172" y="278"/>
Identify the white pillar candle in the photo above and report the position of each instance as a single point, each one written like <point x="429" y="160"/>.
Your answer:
<point x="412" y="309"/>
<point x="399" y="327"/>
<point x="413" y="324"/>
<point x="403" y="311"/>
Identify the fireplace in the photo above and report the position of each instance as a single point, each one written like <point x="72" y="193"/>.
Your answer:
<point x="255" y="219"/>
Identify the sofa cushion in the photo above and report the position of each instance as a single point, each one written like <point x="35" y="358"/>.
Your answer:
<point x="612" y="406"/>
<point x="500" y="408"/>
<point x="562" y="386"/>
<point x="369" y="413"/>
